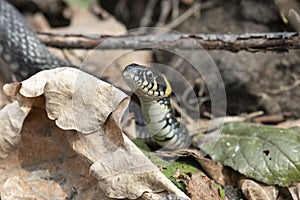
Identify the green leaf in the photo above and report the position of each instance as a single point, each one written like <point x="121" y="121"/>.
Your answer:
<point x="184" y="166"/>
<point x="267" y="154"/>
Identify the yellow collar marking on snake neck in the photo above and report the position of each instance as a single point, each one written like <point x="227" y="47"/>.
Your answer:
<point x="168" y="87"/>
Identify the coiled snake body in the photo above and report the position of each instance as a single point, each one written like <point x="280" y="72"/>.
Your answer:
<point x="154" y="90"/>
<point x="20" y="49"/>
<point x="25" y="55"/>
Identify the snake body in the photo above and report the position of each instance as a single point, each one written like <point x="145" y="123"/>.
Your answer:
<point x="20" y="49"/>
<point x="153" y="91"/>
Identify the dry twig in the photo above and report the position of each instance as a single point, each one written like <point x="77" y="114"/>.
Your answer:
<point x="184" y="16"/>
<point x="145" y="21"/>
<point x="285" y="88"/>
<point x="165" y="10"/>
<point x="252" y="42"/>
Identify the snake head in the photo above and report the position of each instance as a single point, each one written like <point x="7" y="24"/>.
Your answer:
<point x="146" y="81"/>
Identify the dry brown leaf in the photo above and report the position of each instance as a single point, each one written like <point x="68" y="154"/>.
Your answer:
<point x="213" y="169"/>
<point x="74" y="99"/>
<point x="201" y="187"/>
<point x="17" y="188"/>
<point x="82" y="102"/>
<point x="127" y="172"/>
<point x="289" y="123"/>
<point x="295" y="191"/>
<point x="220" y="173"/>
<point x="255" y="191"/>
<point x="11" y="121"/>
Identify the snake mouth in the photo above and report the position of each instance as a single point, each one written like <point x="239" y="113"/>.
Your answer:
<point x="130" y="75"/>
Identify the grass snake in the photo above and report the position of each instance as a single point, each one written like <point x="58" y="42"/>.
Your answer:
<point x="154" y="91"/>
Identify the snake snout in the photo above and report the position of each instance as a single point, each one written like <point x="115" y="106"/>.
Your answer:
<point x="130" y="75"/>
<point x="132" y="69"/>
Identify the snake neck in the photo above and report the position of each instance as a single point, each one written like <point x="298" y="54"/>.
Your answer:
<point x="162" y="124"/>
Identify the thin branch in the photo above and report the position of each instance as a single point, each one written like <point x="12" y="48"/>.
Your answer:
<point x="146" y="20"/>
<point x="175" y="9"/>
<point x="165" y="10"/>
<point x="184" y="16"/>
<point x="252" y="42"/>
<point x="285" y="88"/>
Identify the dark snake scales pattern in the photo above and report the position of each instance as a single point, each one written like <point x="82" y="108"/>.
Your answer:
<point x="20" y="49"/>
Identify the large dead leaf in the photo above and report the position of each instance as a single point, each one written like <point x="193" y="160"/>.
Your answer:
<point x="74" y="99"/>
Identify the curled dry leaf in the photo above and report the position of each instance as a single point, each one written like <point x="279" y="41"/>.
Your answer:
<point x="11" y="121"/>
<point x="74" y="99"/>
<point x="255" y="191"/>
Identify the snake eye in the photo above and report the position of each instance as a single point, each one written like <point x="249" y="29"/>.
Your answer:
<point x="149" y="75"/>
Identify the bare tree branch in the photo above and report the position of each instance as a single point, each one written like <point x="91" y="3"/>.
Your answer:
<point x="252" y="42"/>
